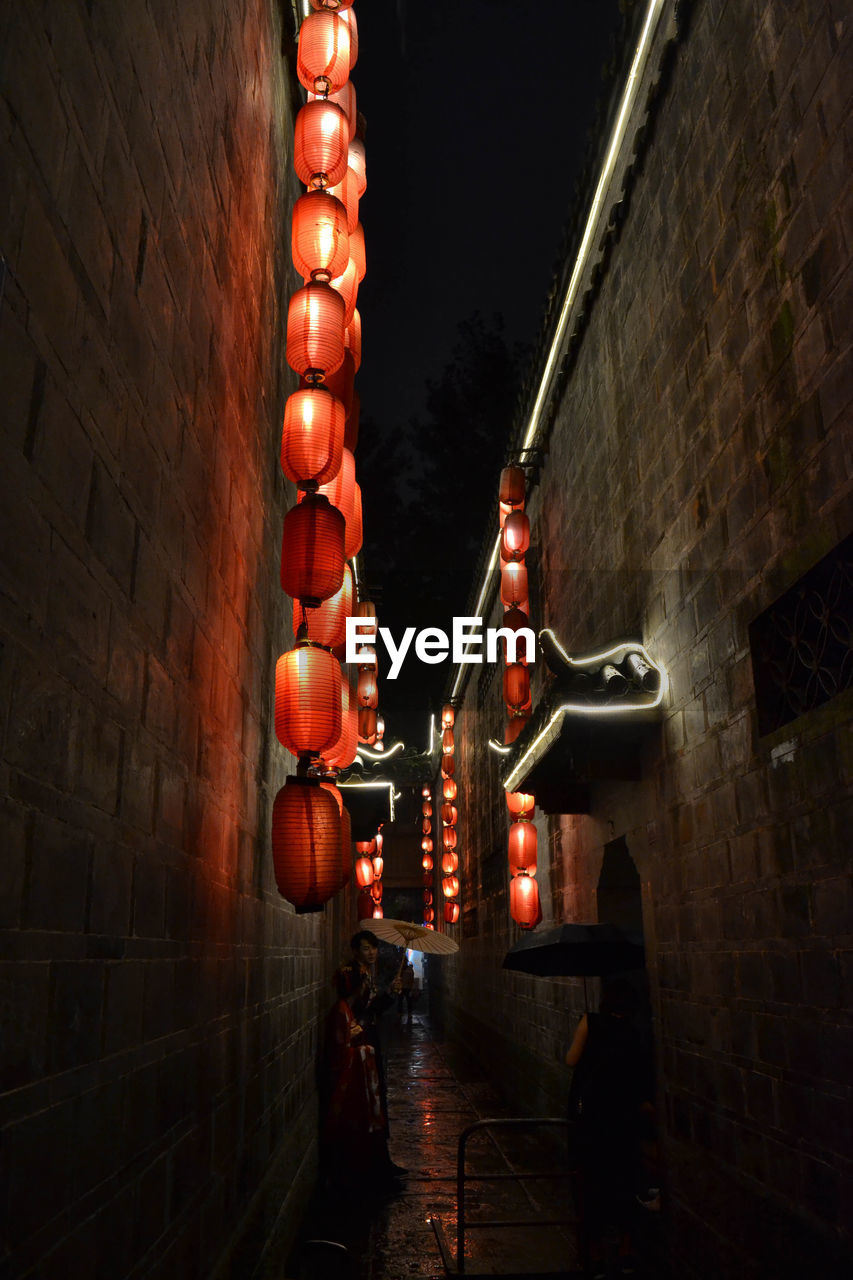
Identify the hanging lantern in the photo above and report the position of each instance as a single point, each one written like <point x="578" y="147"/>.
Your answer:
<point x="346" y="100"/>
<point x="427" y="862"/>
<point x="448" y="716"/>
<point x="515" y="536"/>
<point x="341" y="491"/>
<point x="380" y="730"/>
<point x="426" y="844"/>
<point x="516" y="684"/>
<point x="512" y="486"/>
<point x="357" y="252"/>
<point x="449" y="863"/>
<point x="503" y="507"/>
<point x="376" y="890"/>
<point x="378" y="913"/>
<point x="366" y="725"/>
<point x="365" y="905"/>
<point x="357" y="162"/>
<point x="364" y="872"/>
<point x="323" y="57"/>
<point x="341" y="382"/>
<point x="514" y="726"/>
<point x="429" y="915"/>
<point x="352" y="338"/>
<point x="348" y="193"/>
<point x="378" y="841"/>
<point x="426" y="826"/>
<point x="367" y="659"/>
<point x="451" y="912"/>
<point x="513" y="584"/>
<point x="426" y="793"/>
<point x="520" y="804"/>
<point x="342" y="753"/>
<point x="513" y="620"/>
<point x="366" y="847"/>
<point x="312" y="550"/>
<point x="319" y="236"/>
<point x="450" y="886"/>
<point x="320" y="143"/>
<point x="354" y="534"/>
<point x="348" y="16"/>
<point x="448" y="766"/>
<point x="522" y="848"/>
<point x="306" y="844"/>
<point x="346" y="286"/>
<point x="449" y="814"/>
<point x="447" y="746"/>
<point x="449" y="789"/>
<point x="524" y="901"/>
<point x="315" y="330"/>
<point x="368" y="689"/>
<point x="326" y="624"/>
<point x="307" y="699"/>
<point x="378" y="867"/>
<point x="313" y="436"/>
<point x="427" y="898"/>
<point x="426" y="809"/>
<point x="448" y="837"/>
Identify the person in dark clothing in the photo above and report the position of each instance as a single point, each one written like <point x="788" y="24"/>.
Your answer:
<point x="611" y="1086"/>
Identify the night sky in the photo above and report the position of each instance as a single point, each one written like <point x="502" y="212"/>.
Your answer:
<point x="478" y="119"/>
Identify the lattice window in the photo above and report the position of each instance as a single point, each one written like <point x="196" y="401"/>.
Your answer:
<point x="802" y="646"/>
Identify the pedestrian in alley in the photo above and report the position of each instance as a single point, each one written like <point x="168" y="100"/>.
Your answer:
<point x="407" y="989"/>
<point x="611" y="1093"/>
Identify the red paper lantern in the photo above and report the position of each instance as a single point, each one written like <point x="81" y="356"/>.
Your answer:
<point x="449" y="814"/>
<point x="426" y="809"/>
<point x="366" y="847"/>
<point x="520" y="803"/>
<point x="429" y="915"/>
<point x="354" y="534"/>
<point x="346" y="100"/>
<point x="515" y="537"/>
<point x="426" y="826"/>
<point x="378" y="867"/>
<point x="379" y="841"/>
<point x="516" y="684"/>
<point x="364" y="872"/>
<point x="449" y="789"/>
<point x="447" y="744"/>
<point x="341" y="383"/>
<point x="450" y="886"/>
<point x="342" y="753"/>
<point x="426" y="793"/>
<point x="368" y="689"/>
<point x="315" y="330"/>
<point x="326" y="624"/>
<point x="513" y="620"/>
<point x="306" y="844"/>
<point x="450" y="863"/>
<point x="348" y="16"/>
<point x="427" y="844"/>
<point x="319" y="236"/>
<point x="312" y="550"/>
<point x="514" y="584"/>
<point x="448" y="766"/>
<point x="448" y="716"/>
<point x="512" y="486"/>
<point x="514" y="726"/>
<point x="346" y="285"/>
<point x="451" y="912"/>
<point x="365" y="905"/>
<point x="357" y="252"/>
<point x="448" y="837"/>
<point x="427" y="898"/>
<point x="365" y="609"/>
<point x="323" y="57"/>
<point x="348" y="193"/>
<point x="341" y="491"/>
<point x="320" y="143"/>
<point x="352" y="338"/>
<point x="503" y="507"/>
<point x="357" y="162"/>
<point x="524" y="901"/>
<point x="366" y="725"/>
<point x="427" y="862"/>
<point x="307" y="700"/>
<point x="522" y="848"/>
<point x="312" y="440"/>
<point x="376" y="890"/>
<point x="378" y="913"/>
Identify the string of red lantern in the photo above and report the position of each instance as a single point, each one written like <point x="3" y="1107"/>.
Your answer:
<point x="427" y="860"/>
<point x="449" y="817"/>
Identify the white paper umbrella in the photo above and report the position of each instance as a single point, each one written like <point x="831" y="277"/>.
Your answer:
<point x="403" y="933"/>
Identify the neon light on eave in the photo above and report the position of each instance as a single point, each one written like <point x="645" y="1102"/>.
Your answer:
<point x="617" y="137"/>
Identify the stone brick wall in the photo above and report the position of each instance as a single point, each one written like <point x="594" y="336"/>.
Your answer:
<point x="158" y="1001"/>
<point x="698" y="465"/>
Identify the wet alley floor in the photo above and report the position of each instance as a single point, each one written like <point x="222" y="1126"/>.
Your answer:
<point x="433" y="1094"/>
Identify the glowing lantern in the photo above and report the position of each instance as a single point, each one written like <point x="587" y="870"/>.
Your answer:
<point x="449" y="814"/>
<point x="378" y="867"/>
<point x="326" y="624"/>
<point x="380" y="731"/>
<point x="313" y="437"/>
<point x="341" y="491"/>
<point x="315" y="330"/>
<point x="352" y="338"/>
<point x="366" y="847"/>
<point x="512" y="486"/>
<point x="513" y="620"/>
<point x="451" y="912"/>
<point x="346" y="100"/>
<point x="366" y="725"/>
<point x="319" y="237"/>
<point x="378" y="913"/>
<point x="312" y="550"/>
<point x="307" y="699"/>
<point x="364" y="872"/>
<point x="520" y="803"/>
<point x="426" y="826"/>
<point x="320" y="143"/>
<point x="522" y="848"/>
<point x="449" y="789"/>
<point x="448" y="716"/>
<point x="306" y="844"/>
<point x="448" y="837"/>
<point x="379" y="841"/>
<point x="447" y="746"/>
<point x="426" y="844"/>
<point x="342" y="753"/>
<point x="450" y="886"/>
<point x="348" y="16"/>
<point x="357" y="162"/>
<point x="524" y="901"/>
<point x="516" y="684"/>
<point x="513" y="583"/>
<point x="368" y="689"/>
<point x="426" y="793"/>
<point x="346" y="285"/>
<point x="427" y="862"/>
<point x="354" y="529"/>
<point x="323" y="58"/>
<point x="348" y="193"/>
<point x="515" y="537"/>
<point x="376" y="890"/>
<point x="426" y="808"/>
<point x="429" y="915"/>
<point x="357" y="252"/>
<point x="365" y="905"/>
<point x="514" y="726"/>
<point x="448" y="766"/>
<point x="450" y="863"/>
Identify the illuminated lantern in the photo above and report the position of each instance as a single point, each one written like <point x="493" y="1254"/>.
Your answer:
<point x="513" y="620"/>
<point x="368" y="689"/>
<point x="447" y="746"/>
<point x="427" y="862"/>
<point x="326" y="624"/>
<point x="313" y="437"/>
<point x="524" y="901"/>
<point x="352" y="338"/>
<point x="451" y="912"/>
<point x="514" y="583"/>
<point x="426" y="793"/>
<point x="380" y="732"/>
<point x="520" y="804"/>
<point x="312" y="550"/>
<point x="448" y="716"/>
<point x="448" y="766"/>
<point x="426" y="826"/>
<point x="366" y="725"/>
<point x="346" y="100"/>
<point x="426" y="808"/>
<point x="319" y="237"/>
<point x="315" y="330"/>
<point x="429" y="915"/>
<point x="357" y="162"/>
<point x="365" y="905"/>
<point x="449" y="814"/>
<point x="379" y="841"/>
<point x="449" y="789"/>
<point x="426" y="844"/>
<point x="378" y="867"/>
<point x="522" y="848"/>
<point x="376" y="890"/>
<point x="450" y="886"/>
<point x="366" y="847"/>
<point x="516" y="684"/>
<point x="342" y="753"/>
<point x="512" y="486"/>
<point x="307" y="699"/>
<point x="320" y="143"/>
<point x="348" y="16"/>
<point x="357" y="251"/>
<point x="323" y="58"/>
<point x="514" y="726"/>
<point x="448" y="837"/>
<point x="449" y="863"/>
<point x="354" y="534"/>
<point x="346" y="286"/>
<point x="364" y="872"/>
<point x="366" y="659"/>
<point x="515" y="537"/>
<point x="341" y="382"/>
<point x="306" y="844"/>
<point x="341" y="491"/>
<point x="427" y="898"/>
<point x="378" y="913"/>
<point x="348" y="193"/>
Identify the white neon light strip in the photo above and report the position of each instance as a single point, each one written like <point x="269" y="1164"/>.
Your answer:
<point x="380" y="755"/>
<point x="498" y="746"/>
<point x="617" y="137"/>
<point x="368" y="786"/>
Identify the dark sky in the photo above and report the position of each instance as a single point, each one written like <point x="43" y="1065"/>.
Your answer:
<point x="478" y="114"/>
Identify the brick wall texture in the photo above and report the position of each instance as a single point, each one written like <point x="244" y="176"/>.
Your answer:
<point x="158" y="1001"/>
<point x="699" y="464"/>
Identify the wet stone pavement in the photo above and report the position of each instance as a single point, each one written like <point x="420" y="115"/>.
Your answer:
<point x="432" y="1096"/>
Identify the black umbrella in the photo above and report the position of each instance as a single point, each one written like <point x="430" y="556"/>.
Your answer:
<point x="577" y="951"/>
